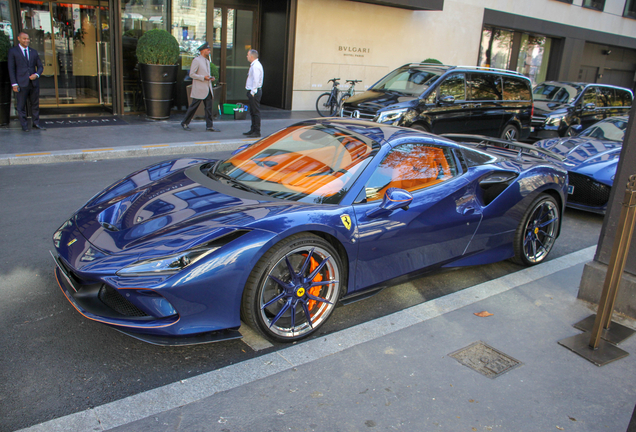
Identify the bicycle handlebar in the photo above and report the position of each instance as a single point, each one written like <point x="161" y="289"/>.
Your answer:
<point x="335" y="79"/>
<point x="354" y="81"/>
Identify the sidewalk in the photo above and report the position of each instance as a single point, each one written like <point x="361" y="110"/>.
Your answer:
<point x="396" y="373"/>
<point x="140" y="137"/>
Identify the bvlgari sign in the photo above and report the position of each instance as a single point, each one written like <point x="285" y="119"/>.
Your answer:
<point x="353" y="51"/>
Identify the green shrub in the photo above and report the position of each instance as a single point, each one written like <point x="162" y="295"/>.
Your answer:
<point x="432" y="60"/>
<point x="214" y="71"/>
<point x="5" y="45"/>
<point x="158" y="47"/>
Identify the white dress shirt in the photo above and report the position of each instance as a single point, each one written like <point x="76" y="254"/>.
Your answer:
<point x="254" y="77"/>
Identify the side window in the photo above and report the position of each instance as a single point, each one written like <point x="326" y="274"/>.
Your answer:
<point x="454" y="85"/>
<point x="606" y="96"/>
<point x="484" y="87"/>
<point x="516" y="89"/>
<point x="589" y="96"/>
<point x="623" y="98"/>
<point x="411" y="167"/>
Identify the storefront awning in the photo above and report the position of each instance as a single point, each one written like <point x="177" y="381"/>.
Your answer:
<point x="431" y="5"/>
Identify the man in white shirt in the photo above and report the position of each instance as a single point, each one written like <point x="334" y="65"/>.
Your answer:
<point x="254" y="85"/>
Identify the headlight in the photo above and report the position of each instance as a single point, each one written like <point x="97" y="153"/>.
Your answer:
<point x="554" y="120"/>
<point x="166" y="265"/>
<point x="391" y="116"/>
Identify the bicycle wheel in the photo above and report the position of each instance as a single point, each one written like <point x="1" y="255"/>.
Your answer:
<point x="324" y="106"/>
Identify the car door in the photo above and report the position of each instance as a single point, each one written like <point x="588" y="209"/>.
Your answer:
<point x="436" y="228"/>
<point x="485" y="95"/>
<point x="588" y="109"/>
<point x="451" y="112"/>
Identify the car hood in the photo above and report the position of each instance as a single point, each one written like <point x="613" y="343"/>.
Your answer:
<point x="542" y="108"/>
<point x="592" y="157"/>
<point x="374" y="100"/>
<point x="171" y="214"/>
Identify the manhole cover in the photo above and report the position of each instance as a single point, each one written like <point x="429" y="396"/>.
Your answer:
<point x="485" y="359"/>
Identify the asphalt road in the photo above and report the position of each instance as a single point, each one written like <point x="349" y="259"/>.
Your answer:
<point x="54" y="362"/>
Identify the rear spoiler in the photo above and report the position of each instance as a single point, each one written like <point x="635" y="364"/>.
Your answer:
<point x="481" y="141"/>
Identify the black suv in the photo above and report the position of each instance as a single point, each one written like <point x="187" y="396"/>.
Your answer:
<point x="449" y="99"/>
<point x="561" y="105"/>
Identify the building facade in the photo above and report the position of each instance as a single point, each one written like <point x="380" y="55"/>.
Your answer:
<point x="88" y="46"/>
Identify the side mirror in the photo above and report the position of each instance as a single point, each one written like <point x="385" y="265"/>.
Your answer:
<point x="394" y="199"/>
<point x="574" y="130"/>
<point x="590" y="106"/>
<point x="447" y="99"/>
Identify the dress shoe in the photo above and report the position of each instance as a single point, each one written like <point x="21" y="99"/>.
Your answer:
<point x="26" y="130"/>
<point x="254" y="135"/>
<point x="39" y="127"/>
<point x="250" y="132"/>
<point x="212" y="130"/>
<point x="185" y="126"/>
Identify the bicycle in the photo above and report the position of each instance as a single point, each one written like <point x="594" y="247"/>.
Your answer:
<point x="327" y="103"/>
<point x="350" y="92"/>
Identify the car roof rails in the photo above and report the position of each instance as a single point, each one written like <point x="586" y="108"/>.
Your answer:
<point x="484" y="68"/>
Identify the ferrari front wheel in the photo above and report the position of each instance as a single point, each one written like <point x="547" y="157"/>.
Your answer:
<point x="293" y="289"/>
<point x="537" y="231"/>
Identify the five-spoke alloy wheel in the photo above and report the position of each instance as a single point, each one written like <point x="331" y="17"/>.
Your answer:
<point x="294" y="288"/>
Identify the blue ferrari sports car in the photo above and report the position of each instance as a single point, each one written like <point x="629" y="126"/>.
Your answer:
<point x="321" y="212"/>
<point x="591" y="158"/>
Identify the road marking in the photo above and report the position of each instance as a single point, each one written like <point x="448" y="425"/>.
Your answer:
<point x="33" y="154"/>
<point x="137" y="407"/>
<point x="253" y="339"/>
<point x="96" y="150"/>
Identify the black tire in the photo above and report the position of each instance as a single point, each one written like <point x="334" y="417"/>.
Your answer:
<point x="537" y="231"/>
<point x="323" y="107"/>
<point x="510" y="133"/>
<point x="278" y="303"/>
<point x="419" y="127"/>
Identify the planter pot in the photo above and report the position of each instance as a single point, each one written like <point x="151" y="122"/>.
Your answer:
<point x="217" y="92"/>
<point x="5" y="94"/>
<point x="158" y="83"/>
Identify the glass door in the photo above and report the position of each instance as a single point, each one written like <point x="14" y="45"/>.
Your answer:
<point x="231" y="46"/>
<point x="73" y="41"/>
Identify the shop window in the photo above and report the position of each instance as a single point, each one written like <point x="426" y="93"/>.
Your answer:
<point x="533" y="57"/>
<point x="630" y="9"/>
<point x="137" y="17"/>
<point x="594" y="4"/>
<point x="496" y="46"/>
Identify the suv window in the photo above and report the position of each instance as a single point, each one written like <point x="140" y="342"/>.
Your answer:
<point x="606" y="96"/>
<point x="623" y="98"/>
<point x="484" y="87"/>
<point x="454" y="85"/>
<point x="516" y="89"/>
<point x="562" y="92"/>
<point x="589" y="96"/>
<point x="410" y="81"/>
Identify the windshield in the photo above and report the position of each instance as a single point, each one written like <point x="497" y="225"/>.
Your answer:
<point x="559" y="93"/>
<point x="411" y="81"/>
<point x="609" y="130"/>
<point x="314" y="164"/>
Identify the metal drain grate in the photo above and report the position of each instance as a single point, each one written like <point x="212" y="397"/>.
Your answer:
<point x="485" y="359"/>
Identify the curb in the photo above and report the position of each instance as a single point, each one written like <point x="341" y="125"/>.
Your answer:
<point x="121" y="152"/>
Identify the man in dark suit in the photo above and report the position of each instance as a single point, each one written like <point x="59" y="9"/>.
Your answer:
<point x="25" y="69"/>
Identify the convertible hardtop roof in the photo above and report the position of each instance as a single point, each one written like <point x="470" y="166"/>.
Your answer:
<point x="480" y="141"/>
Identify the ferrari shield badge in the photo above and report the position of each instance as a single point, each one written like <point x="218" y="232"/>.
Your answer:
<point x="346" y="221"/>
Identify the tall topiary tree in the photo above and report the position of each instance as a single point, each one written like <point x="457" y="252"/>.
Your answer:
<point x="214" y="71"/>
<point x="5" y="45"/>
<point x="158" y="47"/>
<point x="432" y="60"/>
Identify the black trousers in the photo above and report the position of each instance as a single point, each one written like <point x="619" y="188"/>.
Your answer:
<point x="207" y="102"/>
<point x="32" y="94"/>
<point x="254" y="102"/>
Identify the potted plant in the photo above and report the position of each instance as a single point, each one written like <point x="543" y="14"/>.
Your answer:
<point x="158" y="56"/>
<point x="5" y="82"/>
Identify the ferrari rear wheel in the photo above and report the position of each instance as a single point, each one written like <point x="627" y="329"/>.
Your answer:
<point x="537" y="231"/>
<point x="293" y="289"/>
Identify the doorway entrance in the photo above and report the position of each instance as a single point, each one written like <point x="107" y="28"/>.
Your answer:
<point x="234" y="34"/>
<point x="73" y="42"/>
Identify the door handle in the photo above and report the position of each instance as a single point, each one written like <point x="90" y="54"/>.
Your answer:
<point x="477" y="105"/>
<point x="468" y="211"/>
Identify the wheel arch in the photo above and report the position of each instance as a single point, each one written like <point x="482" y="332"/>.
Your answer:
<point x="344" y="256"/>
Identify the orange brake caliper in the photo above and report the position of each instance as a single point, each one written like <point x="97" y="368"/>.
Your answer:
<point x="314" y="291"/>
